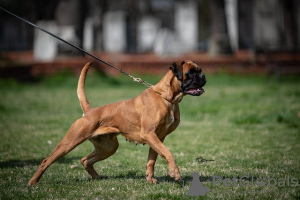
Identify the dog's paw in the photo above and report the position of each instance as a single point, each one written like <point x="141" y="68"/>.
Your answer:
<point x="150" y="178"/>
<point x="176" y="176"/>
<point x="174" y="173"/>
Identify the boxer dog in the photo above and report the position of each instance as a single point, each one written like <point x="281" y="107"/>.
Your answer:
<point x="145" y="119"/>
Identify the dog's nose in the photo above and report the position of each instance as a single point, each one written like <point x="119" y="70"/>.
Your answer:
<point x="202" y="79"/>
<point x="202" y="76"/>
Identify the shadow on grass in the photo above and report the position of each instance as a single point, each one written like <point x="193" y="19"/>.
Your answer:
<point x="160" y="179"/>
<point x="186" y="180"/>
<point x="132" y="175"/>
<point x="33" y="162"/>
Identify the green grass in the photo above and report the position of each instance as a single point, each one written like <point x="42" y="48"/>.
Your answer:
<point x="247" y="125"/>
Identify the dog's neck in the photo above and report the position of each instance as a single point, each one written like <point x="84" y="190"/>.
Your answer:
<point x="169" y="88"/>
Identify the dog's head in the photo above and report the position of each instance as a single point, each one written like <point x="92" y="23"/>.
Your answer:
<point x="190" y="76"/>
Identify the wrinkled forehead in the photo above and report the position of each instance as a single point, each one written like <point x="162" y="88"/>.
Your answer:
<point x="191" y="66"/>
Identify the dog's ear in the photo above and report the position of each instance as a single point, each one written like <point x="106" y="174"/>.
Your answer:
<point x="176" y="68"/>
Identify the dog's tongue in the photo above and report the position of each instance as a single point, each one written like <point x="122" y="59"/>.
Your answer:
<point x="196" y="90"/>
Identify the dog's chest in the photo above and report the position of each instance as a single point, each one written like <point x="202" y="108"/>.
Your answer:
<point x="170" y="117"/>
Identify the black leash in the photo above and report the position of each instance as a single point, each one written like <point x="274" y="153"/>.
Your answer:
<point x="78" y="48"/>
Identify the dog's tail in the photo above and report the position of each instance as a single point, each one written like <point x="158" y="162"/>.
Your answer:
<point x="84" y="103"/>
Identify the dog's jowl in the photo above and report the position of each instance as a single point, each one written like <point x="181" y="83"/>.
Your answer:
<point x="145" y="119"/>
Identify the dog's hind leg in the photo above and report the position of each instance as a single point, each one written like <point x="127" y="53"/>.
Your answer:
<point x="105" y="146"/>
<point x="80" y="131"/>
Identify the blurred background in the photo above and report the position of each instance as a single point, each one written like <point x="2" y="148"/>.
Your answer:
<point x="145" y="36"/>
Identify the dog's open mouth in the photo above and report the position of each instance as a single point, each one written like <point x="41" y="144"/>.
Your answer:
<point x="195" y="91"/>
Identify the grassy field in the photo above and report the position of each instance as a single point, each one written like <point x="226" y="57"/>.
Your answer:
<point x="248" y="126"/>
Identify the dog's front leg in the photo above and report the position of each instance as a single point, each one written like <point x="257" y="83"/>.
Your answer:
<point x="156" y="146"/>
<point x="150" y="166"/>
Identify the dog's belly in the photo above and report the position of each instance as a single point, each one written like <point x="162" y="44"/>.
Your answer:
<point x="133" y="138"/>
